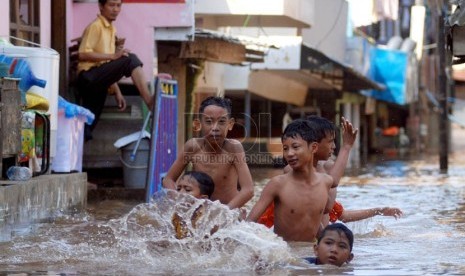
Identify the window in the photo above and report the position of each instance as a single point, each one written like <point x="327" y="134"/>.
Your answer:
<point x="25" y="21"/>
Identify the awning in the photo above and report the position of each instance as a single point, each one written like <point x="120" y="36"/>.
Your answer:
<point x="317" y="71"/>
<point x="334" y="72"/>
<point x="216" y="47"/>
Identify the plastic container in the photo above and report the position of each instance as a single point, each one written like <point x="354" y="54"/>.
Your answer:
<point x="135" y="171"/>
<point x="45" y="63"/>
<point x="17" y="173"/>
<point x="70" y="138"/>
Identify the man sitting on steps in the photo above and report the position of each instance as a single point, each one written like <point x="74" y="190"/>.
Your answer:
<point x="101" y="65"/>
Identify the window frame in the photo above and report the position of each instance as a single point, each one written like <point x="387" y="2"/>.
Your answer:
<point x="30" y="28"/>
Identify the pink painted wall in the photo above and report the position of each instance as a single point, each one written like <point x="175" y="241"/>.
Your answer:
<point x="136" y="23"/>
<point x="45" y="23"/>
<point x="5" y="19"/>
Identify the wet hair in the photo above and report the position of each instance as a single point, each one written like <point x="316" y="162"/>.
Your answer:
<point x="218" y="101"/>
<point x="339" y="228"/>
<point x="322" y="126"/>
<point x="103" y="2"/>
<point x="206" y="184"/>
<point x="302" y="128"/>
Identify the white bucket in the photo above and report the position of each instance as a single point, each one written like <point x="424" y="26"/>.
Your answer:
<point x="44" y="64"/>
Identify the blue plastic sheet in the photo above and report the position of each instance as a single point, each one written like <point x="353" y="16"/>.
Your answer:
<point x="389" y="67"/>
<point x="72" y="110"/>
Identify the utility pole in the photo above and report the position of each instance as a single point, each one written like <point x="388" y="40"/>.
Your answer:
<point x="443" y="92"/>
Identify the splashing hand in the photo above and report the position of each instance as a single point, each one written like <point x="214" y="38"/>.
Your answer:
<point x="393" y="212"/>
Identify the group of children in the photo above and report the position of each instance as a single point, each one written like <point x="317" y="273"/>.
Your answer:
<point x="300" y="203"/>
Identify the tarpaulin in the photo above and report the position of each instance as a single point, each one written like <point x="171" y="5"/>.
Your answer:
<point x="389" y="67"/>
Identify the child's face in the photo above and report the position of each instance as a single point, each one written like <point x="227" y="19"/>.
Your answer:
<point x="334" y="248"/>
<point x="215" y="123"/>
<point x="325" y="148"/>
<point x="298" y="152"/>
<point x="188" y="185"/>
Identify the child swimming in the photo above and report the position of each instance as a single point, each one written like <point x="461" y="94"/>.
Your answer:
<point x="334" y="246"/>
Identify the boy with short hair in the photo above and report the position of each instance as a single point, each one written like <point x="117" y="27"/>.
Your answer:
<point x="334" y="246"/>
<point x="326" y="134"/>
<point x="221" y="158"/>
<point x="197" y="184"/>
<point x="300" y="195"/>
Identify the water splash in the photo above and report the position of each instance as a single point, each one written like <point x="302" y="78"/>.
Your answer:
<point x="178" y="233"/>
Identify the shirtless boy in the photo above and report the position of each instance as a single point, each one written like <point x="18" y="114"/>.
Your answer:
<point x="300" y="195"/>
<point x="221" y="158"/>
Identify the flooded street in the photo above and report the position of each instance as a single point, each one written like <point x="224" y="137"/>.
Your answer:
<point x="115" y="238"/>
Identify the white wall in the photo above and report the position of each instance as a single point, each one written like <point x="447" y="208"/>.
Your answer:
<point x="328" y="34"/>
<point x="298" y="10"/>
<point x="212" y="78"/>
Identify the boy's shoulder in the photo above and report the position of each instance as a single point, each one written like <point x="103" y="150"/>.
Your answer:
<point x="233" y="146"/>
<point x="323" y="177"/>
<point x="275" y="182"/>
<point x="194" y="143"/>
<point x="281" y="179"/>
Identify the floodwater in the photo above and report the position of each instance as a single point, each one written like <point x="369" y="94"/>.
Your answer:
<point x="117" y="238"/>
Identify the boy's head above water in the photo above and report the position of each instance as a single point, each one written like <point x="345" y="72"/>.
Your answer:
<point x="323" y="127"/>
<point x="299" y="144"/>
<point x="197" y="184"/>
<point x="214" y="119"/>
<point x="300" y="128"/>
<point x="325" y="132"/>
<point x="216" y="101"/>
<point x="334" y="245"/>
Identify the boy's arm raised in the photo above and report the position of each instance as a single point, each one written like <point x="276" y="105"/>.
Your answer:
<point x="245" y="180"/>
<point x="336" y="169"/>
<point x="169" y="181"/>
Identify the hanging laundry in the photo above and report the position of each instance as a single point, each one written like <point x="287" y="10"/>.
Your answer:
<point x="386" y="9"/>
<point x="361" y="12"/>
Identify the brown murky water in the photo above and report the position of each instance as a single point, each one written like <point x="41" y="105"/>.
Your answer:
<point x="109" y="239"/>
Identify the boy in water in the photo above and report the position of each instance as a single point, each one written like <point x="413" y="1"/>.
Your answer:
<point x="197" y="184"/>
<point x="300" y="195"/>
<point x="325" y="134"/>
<point x="334" y="246"/>
<point x="221" y="158"/>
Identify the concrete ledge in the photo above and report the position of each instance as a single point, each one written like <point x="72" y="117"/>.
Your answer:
<point x="116" y="194"/>
<point x="25" y="202"/>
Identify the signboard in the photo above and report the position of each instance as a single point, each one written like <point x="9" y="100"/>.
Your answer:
<point x="164" y="135"/>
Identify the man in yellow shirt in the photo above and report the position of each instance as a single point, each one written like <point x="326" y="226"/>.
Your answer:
<point x="102" y="64"/>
